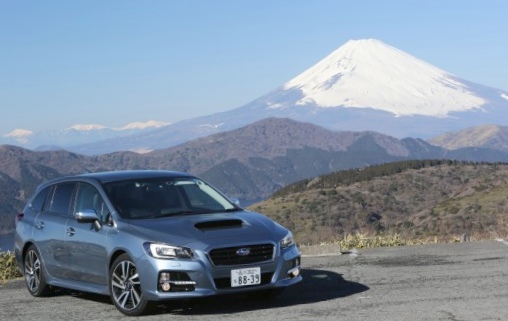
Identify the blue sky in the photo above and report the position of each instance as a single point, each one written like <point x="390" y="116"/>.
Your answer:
<point x="119" y="61"/>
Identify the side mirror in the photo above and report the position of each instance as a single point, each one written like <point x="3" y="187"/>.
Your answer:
<point x="86" y="216"/>
<point x="235" y="201"/>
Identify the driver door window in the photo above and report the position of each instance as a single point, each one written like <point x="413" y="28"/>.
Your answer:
<point x="88" y="198"/>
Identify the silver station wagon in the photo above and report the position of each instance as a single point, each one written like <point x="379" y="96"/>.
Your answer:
<point x="142" y="237"/>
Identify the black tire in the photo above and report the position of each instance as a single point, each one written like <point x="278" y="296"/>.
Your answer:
<point x="34" y="273"/>
<point x="125" y="288"/>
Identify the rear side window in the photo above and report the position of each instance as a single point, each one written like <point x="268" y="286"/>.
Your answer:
<point x="61" y="200"/>
<point x="39" y="200"/>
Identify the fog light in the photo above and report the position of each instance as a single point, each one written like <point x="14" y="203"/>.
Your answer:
<point x="164" y="281"/>
<point x="294" y="272"/>
<point x="165" y="286"/>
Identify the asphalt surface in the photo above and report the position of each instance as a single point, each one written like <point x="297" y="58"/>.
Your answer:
<point x="464" y="281"/>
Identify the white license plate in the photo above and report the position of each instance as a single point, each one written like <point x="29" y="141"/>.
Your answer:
<point x="244" y="277"/>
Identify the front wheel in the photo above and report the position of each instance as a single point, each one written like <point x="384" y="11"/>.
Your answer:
<point x="34" y="273"/>
<point x="125" y="288"/>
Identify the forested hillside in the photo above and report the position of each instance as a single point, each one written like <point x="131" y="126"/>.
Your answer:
<point x="417" y="199"/>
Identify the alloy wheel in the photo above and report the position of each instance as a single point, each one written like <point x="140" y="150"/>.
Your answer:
<point x="35" y="278"/>
<point x="125" y="285"/>
<point x="32" y="271"/>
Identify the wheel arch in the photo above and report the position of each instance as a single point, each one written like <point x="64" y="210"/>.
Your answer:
<point x="114" y="256"/>
<point x="26" y="246"/>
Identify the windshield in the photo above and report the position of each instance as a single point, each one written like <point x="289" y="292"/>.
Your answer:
<point x="152" y="198"/>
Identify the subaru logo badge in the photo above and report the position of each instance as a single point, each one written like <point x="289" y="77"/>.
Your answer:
<point x="243" y="251"/>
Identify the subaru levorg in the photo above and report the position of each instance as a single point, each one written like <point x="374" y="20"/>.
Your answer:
<point x="145" y="236"/>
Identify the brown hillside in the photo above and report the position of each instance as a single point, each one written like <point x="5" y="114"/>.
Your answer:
<point x="438" y="201"/>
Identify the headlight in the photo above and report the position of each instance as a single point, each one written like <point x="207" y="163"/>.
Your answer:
<point x="287" y="241"/>
<point x="164" y="251"/>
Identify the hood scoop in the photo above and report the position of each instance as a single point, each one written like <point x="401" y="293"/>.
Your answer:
<point x="219" y="224"/>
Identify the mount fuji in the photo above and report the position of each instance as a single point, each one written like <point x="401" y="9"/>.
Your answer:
<point x="368" y="73"/>
<point x="365" y="85"/>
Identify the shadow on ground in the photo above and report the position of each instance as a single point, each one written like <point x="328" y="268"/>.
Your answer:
<point x="317" y="286"/>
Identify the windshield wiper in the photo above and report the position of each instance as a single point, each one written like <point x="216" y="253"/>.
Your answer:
<point x="234" y="209"/>
<point x="176" y="213"/>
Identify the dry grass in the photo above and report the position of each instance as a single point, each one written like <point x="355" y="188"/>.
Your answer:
<point x="359" y="241"/>
<point x="8" y="267"/>
<point x="364" y="241"/>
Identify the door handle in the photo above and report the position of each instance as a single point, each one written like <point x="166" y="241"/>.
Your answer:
<point x="39" y="225"/>
<point x="70" y="231"/>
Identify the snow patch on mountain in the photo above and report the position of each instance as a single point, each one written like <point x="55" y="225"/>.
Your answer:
<point x="19" y="135"/>
<point x="130" y="126"/>
<point x="76" y="134"/>
<point x="211" y="126"/>
<point x="505" y="96"/>
<point x="143" y="125"/>
<point x="369" y="73"/>
<point x="87" y="127"/>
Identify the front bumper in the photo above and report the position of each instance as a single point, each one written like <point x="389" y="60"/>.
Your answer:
<point x="198" y="277"/>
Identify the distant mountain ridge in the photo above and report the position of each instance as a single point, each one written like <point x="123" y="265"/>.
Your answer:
<point x="76" y="134"/>
<point x="249" y="163"/>
<point x="488" y="136"/>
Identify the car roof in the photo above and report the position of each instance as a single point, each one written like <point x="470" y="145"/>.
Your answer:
<point x="112" y="176"/>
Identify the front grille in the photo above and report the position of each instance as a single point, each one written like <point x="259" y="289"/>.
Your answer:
<point x="182" y="288"/>
<point x="179" y="276"/>
<point x="225" y="283"/>
<point x="229" y="255"/>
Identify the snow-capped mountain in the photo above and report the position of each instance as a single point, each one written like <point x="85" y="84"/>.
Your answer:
<point x="76" y="134"/>
<point x="369" y="85"/>
<point x="369" y="73"/>
<point x="363" y="85"/>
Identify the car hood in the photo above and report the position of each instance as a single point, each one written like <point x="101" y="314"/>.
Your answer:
<point x="204" y="230"/>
